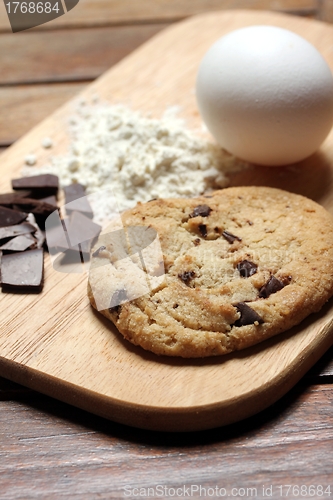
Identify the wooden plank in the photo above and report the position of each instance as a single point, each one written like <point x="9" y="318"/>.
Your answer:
<point x="22" y="107"/>
<point x="110" y="12"/>
<point x="74" y="354"/>
<point x="49" y="57"/>
<point x="50" y="450"/>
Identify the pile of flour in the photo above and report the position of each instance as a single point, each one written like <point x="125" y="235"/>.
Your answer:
<point x="136" y="157"/>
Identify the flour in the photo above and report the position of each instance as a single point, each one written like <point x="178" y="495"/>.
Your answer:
<point x="137" y="157"/>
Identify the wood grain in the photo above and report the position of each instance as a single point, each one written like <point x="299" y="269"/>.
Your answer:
<point x="71" y="54"/>
<point x="66" y="337"/>
<point x="51" y="450"/>
<point x="24" y="106"/>
<point x="108" y="12"/>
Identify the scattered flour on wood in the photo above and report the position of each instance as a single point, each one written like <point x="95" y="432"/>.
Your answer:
<point x="137" y="157"/>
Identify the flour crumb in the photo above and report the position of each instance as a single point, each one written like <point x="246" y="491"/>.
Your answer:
<point x="30" y="160"/>
<point x="47" y="143"/>
<point x="138" y="157"/>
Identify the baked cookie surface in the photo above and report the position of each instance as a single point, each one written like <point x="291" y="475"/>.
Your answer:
<point x="238" y="266"/>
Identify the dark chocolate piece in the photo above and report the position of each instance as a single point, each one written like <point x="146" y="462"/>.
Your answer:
<point x="50" y="200"/>
<point x="9" y="217"/>
<point x="44" y="183"/>
<point x="39" y="208"/>
<point x="197" y="241"/>
<point x="230" y="237"/>
<point x="76" y="200"/>
<point x="19" y="243"/>
<point x="100" y="249"/>
<point x="119" y="297"/>
<point x="273" y="285"/>
<point x="16" y="230"/>
<point x="248" y="315"/>
<point x="203" y="230"/>
<point x="22" y="271"/>
<point x="187" y="276"/>
<point x="246" y="268"/>
<point x="201" y="210"/>
<point x="8" y="199"/>
<point x="82" y="230"/>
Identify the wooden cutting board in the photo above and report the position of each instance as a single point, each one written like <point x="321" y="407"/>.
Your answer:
<point x="57" y="344"/>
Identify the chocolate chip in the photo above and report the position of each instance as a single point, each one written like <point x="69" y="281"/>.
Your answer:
<point x="230" y="237"/>
<point x="48" y="184"/>
<point x="175" y="306"/>
<point x="248" y="315"/>
<point x="273" y="285"/>
<point x="203" y="230"/>
<point x="197" y="241"/>
<point x="119" y="297"/>
<point x="187" y="276"/>
<point x="201" y="210"/>
<point x="246" y="268"/>
<point x="100" y="249"/>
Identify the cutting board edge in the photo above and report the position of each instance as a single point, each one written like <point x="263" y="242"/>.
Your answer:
<point x="177" y="419"/>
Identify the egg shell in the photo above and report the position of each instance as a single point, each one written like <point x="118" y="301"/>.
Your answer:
<point x="266" y="95"/>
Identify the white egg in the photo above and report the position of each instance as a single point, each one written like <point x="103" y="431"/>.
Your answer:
<point x="266" y="95"/>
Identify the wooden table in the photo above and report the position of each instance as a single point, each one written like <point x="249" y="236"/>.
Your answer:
<point x="52" y="450"/>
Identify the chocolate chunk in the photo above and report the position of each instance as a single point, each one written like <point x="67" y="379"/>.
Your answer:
<point x="22" y="272"/>
<point x="100" y="249"/>
<point x="9" y="217"/>
<point x="39" y="208"/>
<point x="248" y="315"/>
<point x="246" y="268"/>
<point x="273" y="285"/>
<point x="203" y="230"/>
<point x="16" y="230"/>
<point x="201" y="210"/>
<point x="119" y="297"/>
<point x="187" y="276"/>
<point x="44" y="183"/>
<point x="76" y="200"/>
<point x="82" y="230"/>
<point x="50" y="200"/>
<point x="8" y="199"/>
<point x="230" y="237"/>
<point x="20" y="243"/>
<point x="38" y="234"/>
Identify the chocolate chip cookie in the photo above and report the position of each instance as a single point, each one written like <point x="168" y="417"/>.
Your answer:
<point x="236" y="267"/>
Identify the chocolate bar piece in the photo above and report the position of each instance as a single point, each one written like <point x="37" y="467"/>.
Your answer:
<point x="8" y="199"/>
<point x="50" y="200"/>
<point x="76" y="200"/>
<point x="22" y="271"/>
<point x="20" y="243"/>
<point x="81" y="230"/>
<point x="9" y="217"/>
<point x="16" y="230"/>
<point x="48" y="184"/>
<point x="39" y="235"/>
<point x="39" y="208"/>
